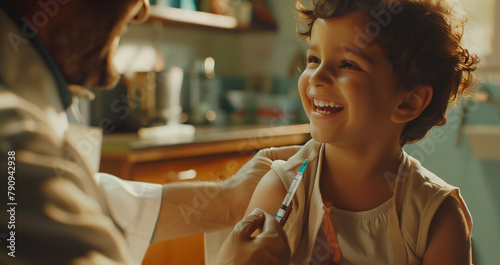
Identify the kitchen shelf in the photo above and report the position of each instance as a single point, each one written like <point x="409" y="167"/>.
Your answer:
<point x="176" y="16"/>
<point x="171" y="15"/>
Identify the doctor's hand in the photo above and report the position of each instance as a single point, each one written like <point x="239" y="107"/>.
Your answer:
<point x="269" y="247"/>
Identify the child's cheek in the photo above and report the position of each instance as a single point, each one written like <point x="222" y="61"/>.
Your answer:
<point x="343" y="80"/>
<point x="303" y="85"/>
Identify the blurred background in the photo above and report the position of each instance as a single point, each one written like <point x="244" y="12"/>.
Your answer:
<point x="207" y="83"/>
<point x="237" y="63"/>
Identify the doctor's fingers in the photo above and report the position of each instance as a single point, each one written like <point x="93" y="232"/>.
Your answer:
<point x="272" y="240"/>
<point x="271" y="233"/>
<point x="280" y="153"/>
<point x="262" y="161"/>
<point x="258" y="218"/>
<point x="250" y="223"/>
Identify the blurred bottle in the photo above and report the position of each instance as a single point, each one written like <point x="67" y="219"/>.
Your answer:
<point x="169" y="3"/>
<point x="168" y="95"/>
<point x="187" y="4"/>
<point x="184" y="4"/>
<point x="205" y="94"/>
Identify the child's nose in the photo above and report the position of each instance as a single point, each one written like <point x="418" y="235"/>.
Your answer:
<point x="321" y="77"/>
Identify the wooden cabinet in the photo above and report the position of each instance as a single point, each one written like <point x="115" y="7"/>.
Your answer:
<point x="202" y="168"/>
<point x="208" y="156"/>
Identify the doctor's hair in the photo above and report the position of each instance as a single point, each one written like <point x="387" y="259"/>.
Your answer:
<point x="422" y="39"/>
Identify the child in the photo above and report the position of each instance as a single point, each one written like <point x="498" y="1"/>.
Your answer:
<point x="379" y="75"/>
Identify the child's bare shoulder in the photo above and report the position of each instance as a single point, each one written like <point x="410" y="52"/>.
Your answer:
<point x="268" y="194"/>
<point x="272" y="188"/>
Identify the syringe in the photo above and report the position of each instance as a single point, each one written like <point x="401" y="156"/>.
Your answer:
<point x="291" y="191"/>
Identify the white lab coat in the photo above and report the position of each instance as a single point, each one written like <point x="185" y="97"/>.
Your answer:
<point x="65" y="212"/>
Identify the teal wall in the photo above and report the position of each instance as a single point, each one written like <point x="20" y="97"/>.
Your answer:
<point x="478" y="180"/>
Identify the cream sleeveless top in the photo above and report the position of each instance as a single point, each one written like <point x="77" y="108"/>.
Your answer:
<point x="392" y="233"/>
<point x="362" y="236"/>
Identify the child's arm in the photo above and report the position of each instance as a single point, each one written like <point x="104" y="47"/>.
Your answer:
<point x="448" y="241"/>
<point x="268" y="194"/>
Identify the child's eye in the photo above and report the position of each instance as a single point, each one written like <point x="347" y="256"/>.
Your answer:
<point x="348" y="65"/>
<point x="312" y="59"/>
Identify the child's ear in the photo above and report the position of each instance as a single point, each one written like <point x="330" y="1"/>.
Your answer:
<point x="412" y="104"/>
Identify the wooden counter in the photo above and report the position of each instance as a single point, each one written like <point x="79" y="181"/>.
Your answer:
<point x="123" y="153"/>
<point x="213" y="153"/>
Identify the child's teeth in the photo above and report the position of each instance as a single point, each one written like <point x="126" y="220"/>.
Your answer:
<point x="327" y="107"/>
<point x="324" y="103"/>
<point x="321" y="103"/>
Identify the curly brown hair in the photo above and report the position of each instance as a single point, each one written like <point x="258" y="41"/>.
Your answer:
<point x="422" y="39"/>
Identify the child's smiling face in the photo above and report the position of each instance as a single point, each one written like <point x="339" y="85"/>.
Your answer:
<point x="348" y="89"/>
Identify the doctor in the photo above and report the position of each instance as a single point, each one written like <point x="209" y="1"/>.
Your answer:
<point x="59" y="211"/>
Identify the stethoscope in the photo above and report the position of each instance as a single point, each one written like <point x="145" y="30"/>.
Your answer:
<point x="62" y="85"/>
